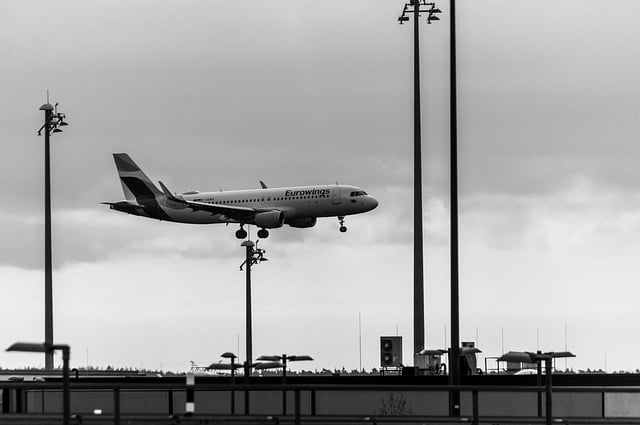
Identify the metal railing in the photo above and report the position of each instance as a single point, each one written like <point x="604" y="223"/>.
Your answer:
<point x="16" y="410"/>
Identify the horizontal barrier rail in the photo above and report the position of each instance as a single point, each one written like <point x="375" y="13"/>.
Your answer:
<point x="118" y="389"/>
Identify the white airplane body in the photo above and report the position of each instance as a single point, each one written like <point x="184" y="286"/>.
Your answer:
<point x="267" y="208"/>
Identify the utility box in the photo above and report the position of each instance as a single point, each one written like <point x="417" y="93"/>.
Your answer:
<point x="390" y="351"/>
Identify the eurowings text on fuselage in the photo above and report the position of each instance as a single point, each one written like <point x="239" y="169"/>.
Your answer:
<point x="267" y="208"/>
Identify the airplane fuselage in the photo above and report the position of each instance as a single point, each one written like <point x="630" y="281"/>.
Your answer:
<point x="294" y="202"/>
<point x="267" y="208"/>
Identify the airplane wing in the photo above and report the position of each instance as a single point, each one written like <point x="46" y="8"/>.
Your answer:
<point x="233" y="212"/>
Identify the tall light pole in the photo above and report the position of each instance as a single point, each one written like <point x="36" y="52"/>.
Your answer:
<point x="253" y="255"/>
<point x="415" y="7"/>
<point x="53" y="120"/>
<point x="454" y="353"/>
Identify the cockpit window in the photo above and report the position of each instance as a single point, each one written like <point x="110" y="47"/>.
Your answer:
<point x="358" y="193"/>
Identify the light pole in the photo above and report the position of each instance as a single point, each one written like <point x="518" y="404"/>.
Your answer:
<point x="53" y="120"/>
<point x="415" y="7"/>
<point x="454" y="353"/>
<point x="254" y="255"/>
<point x="32" y="347"/>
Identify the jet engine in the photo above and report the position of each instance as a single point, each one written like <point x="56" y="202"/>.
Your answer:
<point x="269" y="220"/>
<point x="302" y="222"/>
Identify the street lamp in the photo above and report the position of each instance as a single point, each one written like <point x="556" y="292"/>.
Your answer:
<point x="283" y="358"/>
<point x="232" y="367"/>
<point x="539" y="357"/>
<point x="43" y="347"/>
<point x="417" y="6"/>
<point x="273" y="362"/>
<point x="53" y="120"/>
<point x="254" y="255"/>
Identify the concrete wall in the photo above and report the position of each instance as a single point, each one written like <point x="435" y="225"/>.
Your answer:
<point x="622" y="405"/>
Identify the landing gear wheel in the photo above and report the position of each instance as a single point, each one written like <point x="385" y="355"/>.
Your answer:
<point x="343" y="228"/>
<point x="263" y="233"/>
<point x="241" y="234"/>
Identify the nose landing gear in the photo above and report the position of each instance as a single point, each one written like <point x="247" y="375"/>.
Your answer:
<point x="343" y="228"/>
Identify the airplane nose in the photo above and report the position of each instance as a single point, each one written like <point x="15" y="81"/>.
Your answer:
<point x="373" y="202"/>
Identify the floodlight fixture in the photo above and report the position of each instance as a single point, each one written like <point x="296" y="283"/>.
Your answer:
<point x="421" y="6"/>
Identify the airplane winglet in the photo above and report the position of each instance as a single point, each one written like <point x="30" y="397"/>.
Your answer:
<point x="264" y="186"/>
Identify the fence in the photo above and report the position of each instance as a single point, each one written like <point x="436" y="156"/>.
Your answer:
<point x="157" y="402"/>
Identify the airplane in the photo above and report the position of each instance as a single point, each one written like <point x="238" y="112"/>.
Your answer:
<point x="266" y="208"/>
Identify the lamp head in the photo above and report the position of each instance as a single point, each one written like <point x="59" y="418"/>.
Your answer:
<point x="30" y="347"/>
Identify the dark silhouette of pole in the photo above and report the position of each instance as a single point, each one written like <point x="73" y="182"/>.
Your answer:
<point x="48" y="272"/>
<point x="548" y="387"/>
<point x="418" y="256"/>
<point x="66" y="408"/>
<point x="454" y="353"/>
<point x="52" y="121"/>
<point x="249" y="338"/>
<point x="253" y="256"/>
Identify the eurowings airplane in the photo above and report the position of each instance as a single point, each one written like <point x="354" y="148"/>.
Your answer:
<point x="266" y="208"/>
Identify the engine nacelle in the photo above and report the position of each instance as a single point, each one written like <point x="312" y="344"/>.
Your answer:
<point x="269" y="220"/>
<point x="302" y="222"/>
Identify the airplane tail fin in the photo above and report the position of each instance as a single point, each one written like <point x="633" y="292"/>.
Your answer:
<point x="135" y="183"/>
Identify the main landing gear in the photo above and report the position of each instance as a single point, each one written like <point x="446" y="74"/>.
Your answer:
<point x="241" y="233"/>
<point x="343" y="228"/>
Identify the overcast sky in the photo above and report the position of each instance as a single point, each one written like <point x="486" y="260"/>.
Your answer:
<point x="212" y="95"/>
